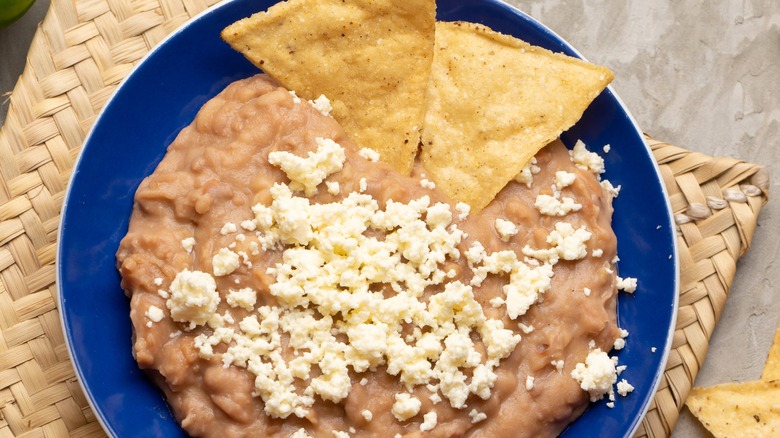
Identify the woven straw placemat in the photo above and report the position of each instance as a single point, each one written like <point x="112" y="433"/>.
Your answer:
<point x="80" y="53"/>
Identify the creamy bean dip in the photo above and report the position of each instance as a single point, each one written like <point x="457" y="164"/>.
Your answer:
<point x="283" y="281"/>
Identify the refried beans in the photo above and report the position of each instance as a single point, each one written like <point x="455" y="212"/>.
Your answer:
<point x="218" y="168"/>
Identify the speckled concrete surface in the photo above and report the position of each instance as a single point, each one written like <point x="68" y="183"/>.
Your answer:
<point x="704" y="75"/>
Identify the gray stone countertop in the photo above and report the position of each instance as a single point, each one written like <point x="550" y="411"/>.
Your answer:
<point x="704" y="75"/>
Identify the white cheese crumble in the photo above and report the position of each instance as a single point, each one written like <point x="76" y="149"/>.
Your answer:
<point x="369" y="154"/>
<point x="598" y="252"/>
<point x="463" y="210"/>
<point x="188" y="244"/>
<point x="323" y="284"/>
<point x="295" y="97"/>
<point x="194" y="297"/>
<point x="609" y="188"/>
<point x="525" y="328"/>
<point x="158" y="281"/>
<point x="300" y="433"/>
<point x="564" y="179"/>
<point x="627" y="284"/>
<point x="427" y="184"/>
<point x="405" y="406"/>
<point x="526" y="175"/>
<point x="225" y="262"/>
<point x="244" y="298"/>
<point x="552" y="206"/>
<point x="154" y="313"/>
<point x="333" y="187"/>
<point x="555" y="204"/>
<point x="624" y="388"/>
<point x="567" y="243"/>
<point x="429" y="421"/>
<point x="597" y="375"/>
<point x="367" y="415"/>
<point x="505" y="229"/>
<point x="306" y="174"/>
<point x="228" y="228"/>
<point x="322" y="104"/>
<point x="529" y="383"/>
<point x="586" y="160"/>
<point x="477" y="416"/>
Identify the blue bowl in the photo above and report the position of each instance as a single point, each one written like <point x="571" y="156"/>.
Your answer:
<point x="163" y="94"/>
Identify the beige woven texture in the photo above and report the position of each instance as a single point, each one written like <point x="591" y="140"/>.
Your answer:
<point x="716" y="202"/>
<point x="84" y="48"/>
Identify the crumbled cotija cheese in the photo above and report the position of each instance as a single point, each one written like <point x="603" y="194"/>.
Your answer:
<point x="477" y="416"/>
<point x="552" y="206"/>
<point x="245" y="298"/>
<point x="300" y="433"/>
<point x="193" y="297"/>
<point x="505" y="229"/>
<point x="155" y="314"/>
<point x="322" y="104"/>
<point x="586" y="160"/>
<point x="307" y="173"/>
<point x="336" y="321"/>
<point x="429" y="421"/>
<point x="555" y="204"/>
<point x="228" y="228"/>
<point x="369" y="154"/>
<point x="627" y="284"/>
<point x="333" y="187"/>
<point x="188" y="244"/>
<point x="427" y="184"/>
<point x="624" y="388"/>
<point x="463" y="210"/>
<point x="405" y="406"/>
<point x="225" y="262"/>
<point x="596" y="375"/>
<point x="526" y="175"/>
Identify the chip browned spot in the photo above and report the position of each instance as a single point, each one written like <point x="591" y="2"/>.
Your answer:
<point x="370" y="58"/>
<point x="494" y="101"/>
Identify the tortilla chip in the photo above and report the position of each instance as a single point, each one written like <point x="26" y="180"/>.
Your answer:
<point x="370" y="58"/>
<point x="772" y="367"/>
<point x="749" y="409"/>
<point x="494" y="101"/>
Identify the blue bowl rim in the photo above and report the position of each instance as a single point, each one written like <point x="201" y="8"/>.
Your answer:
<point x="99" y="415"/>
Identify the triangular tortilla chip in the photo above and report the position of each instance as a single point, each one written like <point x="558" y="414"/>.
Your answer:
<point x="772" y="367"/>
<point x="748" y="409"/>
<point x="370" y="58"/>
<point x="494" y="101"/>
